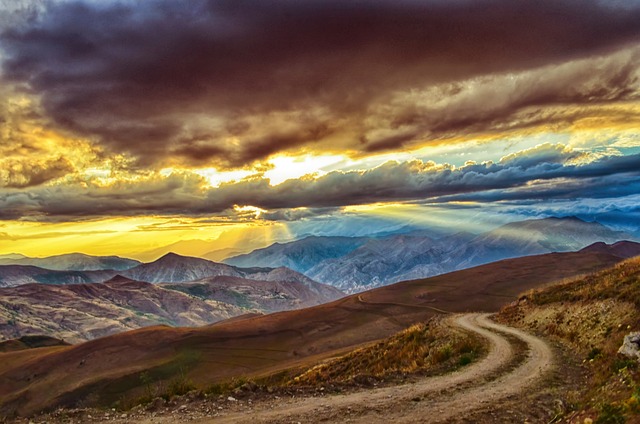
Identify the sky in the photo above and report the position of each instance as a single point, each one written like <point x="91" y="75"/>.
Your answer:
<point x="126" y="126"/>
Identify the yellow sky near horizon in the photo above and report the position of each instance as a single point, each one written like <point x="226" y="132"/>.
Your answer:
<point x="135" y="237"/>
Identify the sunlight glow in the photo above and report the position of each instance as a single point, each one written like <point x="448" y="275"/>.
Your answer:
<point x="288" y="167"/>
<point x="216" y="177"/>
<point x="463" y="216"/>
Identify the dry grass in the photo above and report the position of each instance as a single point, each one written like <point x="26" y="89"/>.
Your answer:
<point x="430" y="348"/>
<point x="591" y="315"/>
<point x="622" y="282"/>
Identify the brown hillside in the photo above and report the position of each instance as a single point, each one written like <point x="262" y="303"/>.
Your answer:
<point x="30" y="342"/>
<point x="109" y="369"/>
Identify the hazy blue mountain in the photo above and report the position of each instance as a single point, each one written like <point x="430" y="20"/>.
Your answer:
<point x="627" y="221"/>
<point x="15" y="275"/>
<point x="300" y="255"/>
<point x="71" y="262"/>
<point x="387" y="260"/>
<point x="369" y="262"/>
<point x="532" y="237"/>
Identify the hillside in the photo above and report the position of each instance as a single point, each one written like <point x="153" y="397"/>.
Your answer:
<point x="264" y="345"/>
<point x="80" y="312"/>
<point x="30" y="342"/>
<point x="265" y="296"/>
<point x="624" y="249"/>
<point x="591" y="316"/>
<point x="173" y="268"/>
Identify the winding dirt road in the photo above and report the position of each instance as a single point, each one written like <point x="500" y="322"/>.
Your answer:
<point x="434" y="399"/>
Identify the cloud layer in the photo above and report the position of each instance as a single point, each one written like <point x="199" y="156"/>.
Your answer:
<point x="227" y="83"/>
<point x="546" y="172"/>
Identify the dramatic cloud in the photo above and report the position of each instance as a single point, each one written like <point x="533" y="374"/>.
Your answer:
<point x="542" y="153"/>
<point x="545" y="172"/>
<point x="229" y="82"/>
<point x="31" y="151"/>
<point x="26" y="173"/>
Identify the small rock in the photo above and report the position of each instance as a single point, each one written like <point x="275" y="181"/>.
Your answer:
<point x="631" y="345"/>
<point x="156" y="404"/>
<point x="182" y="408"/>
<point x="123" y="416"/>
<point x="249" y="386"/>
<point x="232" y="399"/>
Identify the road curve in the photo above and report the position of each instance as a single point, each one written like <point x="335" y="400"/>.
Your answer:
<point x="441" y="397"/>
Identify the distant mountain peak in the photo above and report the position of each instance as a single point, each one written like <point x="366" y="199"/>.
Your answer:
<point x="569" y="218"/>
<point x="118" y="279"/>
<point x="622" y="248"/>
<point x="170" y="255"/>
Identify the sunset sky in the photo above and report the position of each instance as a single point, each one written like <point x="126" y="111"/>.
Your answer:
<point x="129" y="125"/>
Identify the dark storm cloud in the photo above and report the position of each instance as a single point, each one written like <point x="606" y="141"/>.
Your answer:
<point x="603" y="187"/>
<point x="512" y="179"/>
<point x="216" y="81"/>
<point x="416" y="180"/>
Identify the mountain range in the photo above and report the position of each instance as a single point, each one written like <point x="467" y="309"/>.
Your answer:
<point x="171" y="268"/>
<point x="356" y="264"/>
<point x="80" y="312"/>
<point x="351" y="264"/>
<point x="71" y="262"/>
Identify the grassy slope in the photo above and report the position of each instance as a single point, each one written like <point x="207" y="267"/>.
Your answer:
<point x="592" y="315"/>
<point x="425" y="348"/>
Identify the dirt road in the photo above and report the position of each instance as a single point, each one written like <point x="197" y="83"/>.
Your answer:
<point x="435" y="399"/>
